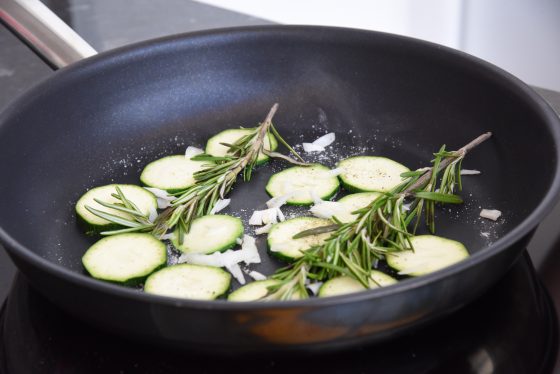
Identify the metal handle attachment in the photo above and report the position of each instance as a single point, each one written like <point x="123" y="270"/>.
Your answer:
<point x="37" y="26"/>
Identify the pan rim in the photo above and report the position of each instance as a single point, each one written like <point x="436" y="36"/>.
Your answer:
<point x="136" y="50"/>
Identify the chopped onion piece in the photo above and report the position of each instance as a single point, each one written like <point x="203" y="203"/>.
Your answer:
<point x="163" y="198"/>
<point x="191" y="151"/>
<point x="217" y="259"/>
<point x="270" y="216"/>
<point x="281" y="216"/>
<point x="160" y="194"/>
<point x="328" y="209"/>
<point x="319" y="144"/>
<point x="469" y="172"/>
<point x="492" y="214"/>
<point x="168" y="236"/>
<point x="325" y="140"/>
<point x="250" y="251"/>
<point x="264" y="229"/>
<point x="153" y="215"/>
<point x="247" y="254"/>
<point x="256" y="218"/>
<point x="277" y="202"/>
<point x="220" y="204"/>
<point x="314" y="287"/>
<point x="485" y="234"/>
<point x="239" y="241"/>
<point x="263" y="217"/>
<point x="162" y="203"/>
<point x="310" y="147"/>
<point x="255" y="275"/>
<point x="316" y="198"/>
<point x="235" y="270"/>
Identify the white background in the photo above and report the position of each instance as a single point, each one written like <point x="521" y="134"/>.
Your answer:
<point x="520" y="36"/>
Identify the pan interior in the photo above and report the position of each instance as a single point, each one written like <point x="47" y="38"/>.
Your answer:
<point x="103" y="120"/>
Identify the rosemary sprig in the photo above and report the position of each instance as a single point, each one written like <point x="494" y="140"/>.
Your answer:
<point x="379" y="229"/>
<point x="214" y="182"/>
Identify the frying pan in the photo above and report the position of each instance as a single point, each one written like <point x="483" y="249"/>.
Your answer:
<point x="102" y="119"/>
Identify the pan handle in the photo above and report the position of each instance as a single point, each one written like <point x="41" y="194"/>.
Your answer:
<point x="46" y="34"/>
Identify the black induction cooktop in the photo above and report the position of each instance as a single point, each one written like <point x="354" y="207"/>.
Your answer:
<point x="511" y="329"/>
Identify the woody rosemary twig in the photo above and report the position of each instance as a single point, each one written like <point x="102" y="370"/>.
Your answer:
<point x="379" y="229"/>
<point x="214" y="182"/>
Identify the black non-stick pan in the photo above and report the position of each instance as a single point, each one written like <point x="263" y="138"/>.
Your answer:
<point x="102" y="119"/>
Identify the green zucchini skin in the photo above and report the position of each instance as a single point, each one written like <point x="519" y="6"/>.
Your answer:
<point x="343" y="285"/>
<point x="282" y="233"/>
<point x="382" y="174"/>
<point x="98" y="260"/>
<point x="326" y="188"/>
<point x="206" y="230"/>
<point x="93" y="225"/>
<point x="431" y="253"/>
<point x="214" y="148"/>
<point x="350" y="188"/>
<point x="164" y="173"/>
<point x="187" y="281"/>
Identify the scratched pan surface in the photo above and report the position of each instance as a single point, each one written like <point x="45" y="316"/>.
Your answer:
<point x="101" y="120"/>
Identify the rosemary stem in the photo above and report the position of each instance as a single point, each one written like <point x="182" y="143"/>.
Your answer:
<point x="259" y="141"/>
<point x="271" y="113"/>
<point x="461" y="152"/>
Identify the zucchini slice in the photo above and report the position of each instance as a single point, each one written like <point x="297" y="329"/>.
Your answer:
<point x="189" y="282"/>
<point x="171" y="173"/>
<point x="256" y="290"/>
<point x="280" y="237"/>
<point x="210" y="234"/>
<point x="214" y="148"/>
<point x="143" y="199"/>
<point x="302" y="183"/>
<point x="125" y="258"/>
<point x="343" y="285"/>
<point x="355" y="202"/>
<point x="369" y="173"/>
<point x="430" y="253"/>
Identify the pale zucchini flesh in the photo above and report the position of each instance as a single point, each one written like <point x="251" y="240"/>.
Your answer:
<point x="189" y="282"/>
<point x="280" y="237"/>
<point x="171" y="173"/>
<point x="143" y="199"/>
<point x="209" y="234"/>
<point x="344" y="284"/>
<point x="354" y="202"/>
<point x="257" y="290"/>
<point x="430" y="253"/>
<point x="303" y="184"/>
<point x="215" y="148"/>
<point x="370" y="173"/>
<point x="125" y="258"/>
